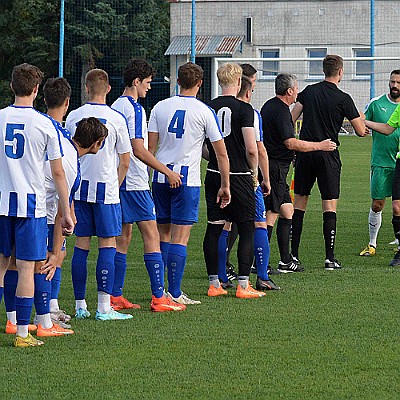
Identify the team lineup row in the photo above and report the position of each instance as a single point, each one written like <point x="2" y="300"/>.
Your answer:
<point x="95" y="182"/>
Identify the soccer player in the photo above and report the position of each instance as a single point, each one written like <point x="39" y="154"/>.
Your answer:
<point x="388" y="128"/>
<point x="136" y="201"/>
<point x="236" y="119"/>
<point x="27" y="137"/>
<point x="280" y="142"/>
<point x="324" y="107"/>
<point x="97" y="204"/>
<point x="383" y="157"/>
<point x="180" y="124"/>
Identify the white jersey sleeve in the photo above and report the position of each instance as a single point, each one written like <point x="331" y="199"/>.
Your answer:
<point x="137" y="177"/>
<point x="182" y="123"/>
<point x="258" y="126"/>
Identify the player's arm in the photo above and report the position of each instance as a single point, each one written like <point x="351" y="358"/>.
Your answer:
<point x="153" y="142"/>
<point x="251" y="149"/>
<point x="305" y="146"/>
<point x="296" y="111"/>
<point x="60" y="183"/>
<point x="224" y="194"/>
<point x="148" y="158"/>
<point x="204" y="152"/>
<point x="380" y="127"/>
<point x="263" y="163"/>
<point x="360" y="128"/>
<point x="123" y="166"/>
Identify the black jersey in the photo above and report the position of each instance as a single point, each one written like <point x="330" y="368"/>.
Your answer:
<point x="324" y="108"/>
<point x="233" y="115"/>
<point x="277" y="127"/>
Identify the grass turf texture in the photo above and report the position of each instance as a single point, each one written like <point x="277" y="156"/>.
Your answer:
<point x="326" y="335"/>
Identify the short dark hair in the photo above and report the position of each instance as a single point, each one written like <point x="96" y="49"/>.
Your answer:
<point x="331" y="65"/>
<point x="56" y="91"/>
<point x="283" y="82"/>
<point x="245" y="86"/>
<point x="395" y="72"/>
<point x="248" y="70"/>
<point x="137" y="68"/>
<point x="89" y="131"/>
<point x="96" y="81"/>
<point x="24" y="79"/>
<point x="189" y="75"/>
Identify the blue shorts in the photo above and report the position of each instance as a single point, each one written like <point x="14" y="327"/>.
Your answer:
<point x="97" y="219"/>
<point x="50" y="237"/>
<point x="179" y="206"/>
<point x="260" y="206"/>
<point x="26" y="235"/>
<point x="136" y="206"/>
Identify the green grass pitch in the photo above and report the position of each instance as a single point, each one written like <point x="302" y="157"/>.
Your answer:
<point x="326" y="335"/>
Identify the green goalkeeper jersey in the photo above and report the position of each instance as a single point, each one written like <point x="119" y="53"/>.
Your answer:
<point x="384" y="148"/>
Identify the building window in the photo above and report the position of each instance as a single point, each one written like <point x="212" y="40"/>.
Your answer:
<point x="315" y="67"/>
<point x="270" y="69"/>
<point x="362" y="68"/>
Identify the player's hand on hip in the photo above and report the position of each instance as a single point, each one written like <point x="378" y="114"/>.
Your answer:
<point x="174" y="179"/>
<point x="328" y="145"/>
<point x="223" y="197"/>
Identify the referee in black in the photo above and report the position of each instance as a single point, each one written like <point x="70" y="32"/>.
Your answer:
<point x="280" y="142"/>
<point x="324" y="107"/>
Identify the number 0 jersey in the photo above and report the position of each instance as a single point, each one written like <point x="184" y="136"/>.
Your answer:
<point x="137" y="177"/>
<point x="182" y="123"/>
<point x="25" y="137"/>
<point x="99" y="171"/>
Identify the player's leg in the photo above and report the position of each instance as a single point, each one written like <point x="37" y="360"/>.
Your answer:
<point x="6" y="248"/>
<point x="108" y="225"/>
<point x="84" y="230"/>
<point x="395" y="262"/>
<point x="329" y="229"/>
<point x="374" y="224"/>
<point x="223" y="250"/>
<point x="232" y="236"/>
<point x="300" y="206"/>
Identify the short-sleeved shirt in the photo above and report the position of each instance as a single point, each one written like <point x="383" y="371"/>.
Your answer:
<point x="258" y="126"/>
<point x="71" y="165"/>
<point x="137" y="177"/>
<point x="99" y="171"/>
<point x="384" y="147"/>
<point x="182" y="123"/>
<point x="26" y="136"/>
<point x="233" y="115"/>
<point x="277" y="127"/>
<point x="394" y="122"/>
<point x="324" y="108"/>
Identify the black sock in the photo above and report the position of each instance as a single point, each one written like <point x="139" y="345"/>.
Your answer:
<point x="329" y="233"/>
<point x="233" y="234"/>
<point x="270" y="228"/>
<point x="210" y="247"/>
<point x="297" y="228"/>
<point x="396" y="226"/>
<point x="283" y="236"/>
<point x="245" y="252"/>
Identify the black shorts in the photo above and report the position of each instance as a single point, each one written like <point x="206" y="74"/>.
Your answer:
<point x="396" y="182"/>
<point x="279" y="188"/>
<point x="242" y="207"/>
<point x="322" y="166"/>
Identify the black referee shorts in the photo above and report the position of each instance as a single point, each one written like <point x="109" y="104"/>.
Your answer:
<point x="242" y="207"/>
<point x="321" y="166"/>
<point x="280" y="193"/>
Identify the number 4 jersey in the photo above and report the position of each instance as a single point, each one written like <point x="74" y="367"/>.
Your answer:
<point x="25" y="137"/>
<point x="183" y="123"/>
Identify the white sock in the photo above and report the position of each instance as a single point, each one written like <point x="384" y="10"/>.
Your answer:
<point x="214" y="280"/>
<point x="45" y="321"/>
<point x="374" y="224"/>
<point x="103" y="302"/>
<point x="22" y="331"/>
<point x="54" y="307"/>
<point x="80" y="304"/>
<point x="12" y="317"/>
<point x="243" y="281"/>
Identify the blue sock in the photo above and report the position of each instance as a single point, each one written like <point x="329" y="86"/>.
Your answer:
<point x="261" y="252"/>
<point x="155" y="268"/>
<point x="56" y="283"/>
<point x="164" y="247"/>
<point x="120" y="272"/>
<point x="24" y="309"/>
<point x="176" y="266"/>
<point x="42" y="294"/>
<point x="10" y="287"/>
<point x="222" y="249"/>
<point x="1" y="292"/>
<point x="79" y="272"/>
<point x="105" y="269"/>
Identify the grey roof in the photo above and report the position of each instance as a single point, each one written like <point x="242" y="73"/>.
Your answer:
<point x="205" y="45"/>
